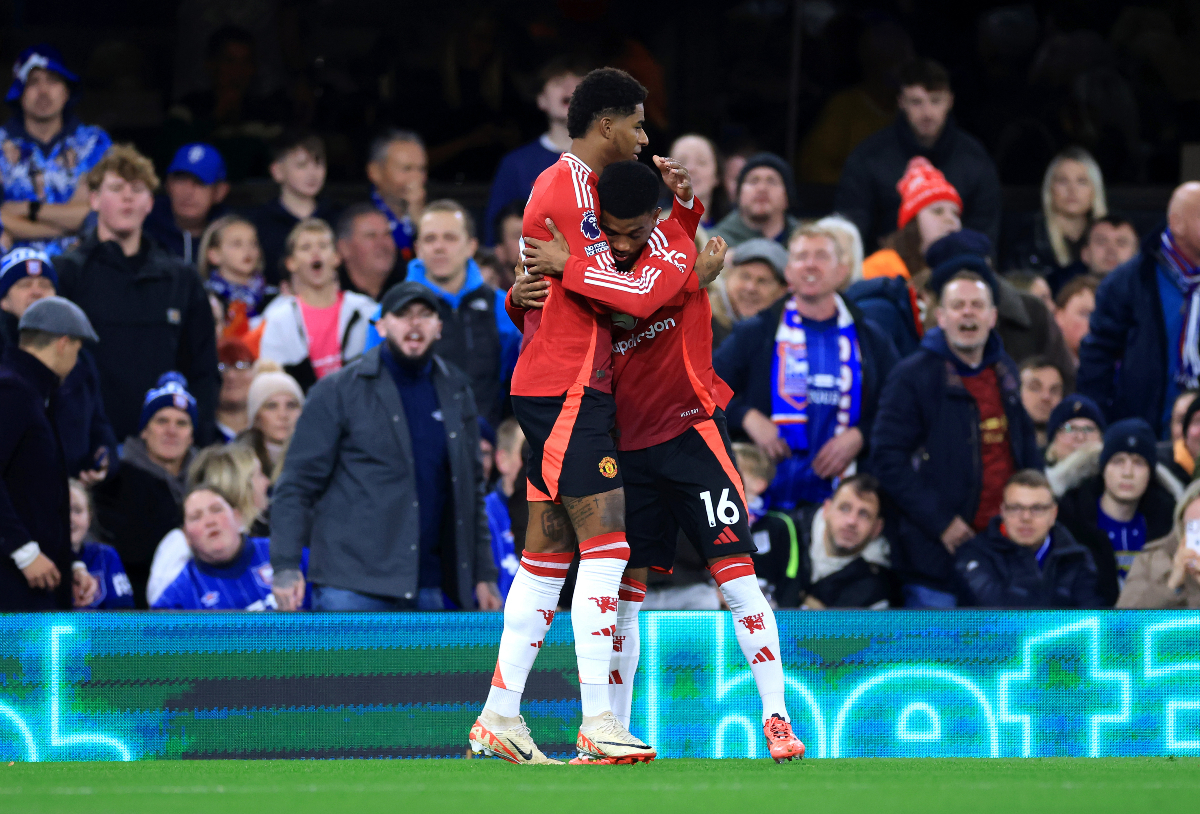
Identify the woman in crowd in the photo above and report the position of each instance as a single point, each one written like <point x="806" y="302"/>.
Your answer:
<point x="233" y="470"/>
<point x="113" y="590"/>
<point x="1072" y="197"/>
<point x="930" y="209"/>
<point x="1166" y="574"/>
<point x="236" y="365"/>
<point x="273" y="406"/>
<point x="699" y="156"/>
<point x="1180" y="450"/>
<point x="144" y="501"/>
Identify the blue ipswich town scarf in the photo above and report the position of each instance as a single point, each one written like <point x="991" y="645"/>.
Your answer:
<point x="1187" y="279"/>
<point x="789" y="376"/>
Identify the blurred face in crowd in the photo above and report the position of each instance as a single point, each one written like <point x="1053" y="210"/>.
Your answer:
<point x="1108" y="246"/>
<point x="1041" y="289"/>
<point x="1178" y="411"/>
<point x="1191" y="439"/>
<point x="236" y="253"/>
<point x="300" y="171"/>
<point x="191" y="200"/>
<point x="24" y="293"/>
<point x="812" y="269"/>
<point x="508" y="459"/>
<point x="235" y="382"/>
<point x="413" y="330"/>
<point x="45" y="95"/>
<point x="168" y="437"/>
<point x="81" y="516"/>
<point x="369" y="250"/>
<point x="966" y="314"/>
<point x="1126" y="476"/>
<point x="1071" y="190"/>
<point x="729" y="176"/>
<point x="313" y="262"/>
<point x="926" y="110"/>
<point x="1076" y="433"/>
<point x="851" y="521"/>
<point x="752" y="287"/>
<point x="1183" y="216"/>
<point x="508" y="242"/>
<point x="1028" y="513"/>
<point x="1073" y="318"/>
<point x="444" y="246"/>
<point x="121" y="206"/>
<point x="259" y="484"/>
<point x="1041" y="391"/>
<point x="937" y="220"/>
<point x="400" y="177"/>
<point x="278" y="416"/>
<point x="556" y="97"/>
<point x="763" y="195"/>
<point x="212" y="526"/>
<point x="697" y="156"/>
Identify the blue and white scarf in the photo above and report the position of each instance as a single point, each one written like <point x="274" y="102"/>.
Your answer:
<point x="789" y="375"/>
<point x="253" y="295"/>
<point x="1187" y="279"/>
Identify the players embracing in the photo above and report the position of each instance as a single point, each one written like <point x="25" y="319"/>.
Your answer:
<point x="618" y="279"/>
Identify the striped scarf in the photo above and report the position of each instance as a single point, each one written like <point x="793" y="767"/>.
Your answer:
<point x="1187" y="278"/>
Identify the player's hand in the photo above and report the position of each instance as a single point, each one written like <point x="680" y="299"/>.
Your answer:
<point x="42" y="573"/>
<point x="288" y="589"/>
<point x="547" y="257"/>
<point x="488" y="596"/>
<point x="711" y="261"/>
<point x="765" y="434"/>
<point x="530" y="291"/>
<point x="837" y="454"/>
<point x="676" y="177"/>
<point x="84" y="587"/>
<point x="957" y="533"/>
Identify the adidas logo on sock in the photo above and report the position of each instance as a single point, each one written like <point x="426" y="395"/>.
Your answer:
<point x="726" y="536"/>
<point x="605" y="631"/>
<point x="763" y="655"/>
<point x="615" y="677"/>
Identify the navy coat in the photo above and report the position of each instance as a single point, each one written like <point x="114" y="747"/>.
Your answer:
<point x="925" y="452"/>
<point x="998" y="573"/>
<point x="887" y="302"/>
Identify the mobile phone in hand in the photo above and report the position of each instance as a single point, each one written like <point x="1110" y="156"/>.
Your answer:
<point x="1192" y="535"/>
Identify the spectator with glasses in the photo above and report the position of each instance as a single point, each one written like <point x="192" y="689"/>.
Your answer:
<point x="1073" y="437"/>
<point x="1025" y="559"/>
<point x="236" y="365"/>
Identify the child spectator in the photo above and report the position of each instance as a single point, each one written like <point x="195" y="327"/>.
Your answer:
<point x="231" y="264"/>
<point x="195" y="188"/>
<point x="113" y="590"/>
<point x="319" y="328"/>
<point x="228" y="570"/>
<point x="298" y="166"/>
<point x="509" y="441"/>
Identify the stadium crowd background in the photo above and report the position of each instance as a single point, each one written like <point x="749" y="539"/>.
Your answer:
<point x="241" y="199"/>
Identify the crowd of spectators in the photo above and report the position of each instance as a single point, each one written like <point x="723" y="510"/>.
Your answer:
<point x="299" y="405"/>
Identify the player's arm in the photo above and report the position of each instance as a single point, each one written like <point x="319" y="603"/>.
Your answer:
<point x="687" y="210"/>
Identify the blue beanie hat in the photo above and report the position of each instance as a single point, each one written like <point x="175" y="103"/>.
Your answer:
<point x="171" y="391"/>
<point x="1130" y="435"/>
<point x="964" y="241"/>
<point x="1071" y="407"/>
<point x="25" y="262"/>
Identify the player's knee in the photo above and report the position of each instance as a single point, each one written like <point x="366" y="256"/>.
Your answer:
<point x="549" y="530"/>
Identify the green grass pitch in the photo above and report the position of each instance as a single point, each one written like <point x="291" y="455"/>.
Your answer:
<point x="867" y="786"/>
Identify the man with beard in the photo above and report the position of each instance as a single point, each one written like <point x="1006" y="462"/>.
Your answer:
<point x="383" y="482"/>
<point x="950" y="433"/>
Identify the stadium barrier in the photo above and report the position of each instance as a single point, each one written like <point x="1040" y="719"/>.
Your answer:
<point x="914" y="684"/>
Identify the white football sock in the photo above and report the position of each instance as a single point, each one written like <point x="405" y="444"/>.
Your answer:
<point x="757" y="633"/>
<point x="528" y="611"/>
<point x="594" y="612"/>
<point x="627" y="646"/>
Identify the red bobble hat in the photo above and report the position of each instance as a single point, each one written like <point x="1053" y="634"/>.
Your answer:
<point x="922" y="185"/>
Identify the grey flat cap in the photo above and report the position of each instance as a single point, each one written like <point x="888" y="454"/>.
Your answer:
<point x="761" y="250"/>
<point x="58" y="315"/>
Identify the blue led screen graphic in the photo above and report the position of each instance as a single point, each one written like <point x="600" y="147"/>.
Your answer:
<point x="859" y="684"/>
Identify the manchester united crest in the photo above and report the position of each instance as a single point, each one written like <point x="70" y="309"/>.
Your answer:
<point x="608" y="467"/>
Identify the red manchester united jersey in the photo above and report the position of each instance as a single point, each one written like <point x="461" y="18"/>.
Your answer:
<point x="568" y="341"/>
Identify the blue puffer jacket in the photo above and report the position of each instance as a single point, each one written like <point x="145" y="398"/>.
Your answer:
<point x="1123" y="358"/>
<point x="998" y="573"/>
<point x="925" y="452"/>
<point x="887" y="302"/>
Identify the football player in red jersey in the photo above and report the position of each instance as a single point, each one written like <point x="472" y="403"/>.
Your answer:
<point x="674" y="445"/>
<point x="562" y="397"/>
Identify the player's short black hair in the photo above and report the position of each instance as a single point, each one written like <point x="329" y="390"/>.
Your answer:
<point x="604" y="91"/>
<point x="628" y="189"/>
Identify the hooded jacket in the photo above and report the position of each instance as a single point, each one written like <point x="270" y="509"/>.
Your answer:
<point x="925" y="450"/>
<point x="888" y="302"/>
<point x="152" y="315"/>
<point x="867" y="195"/>
<point x="998" y="573"/>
